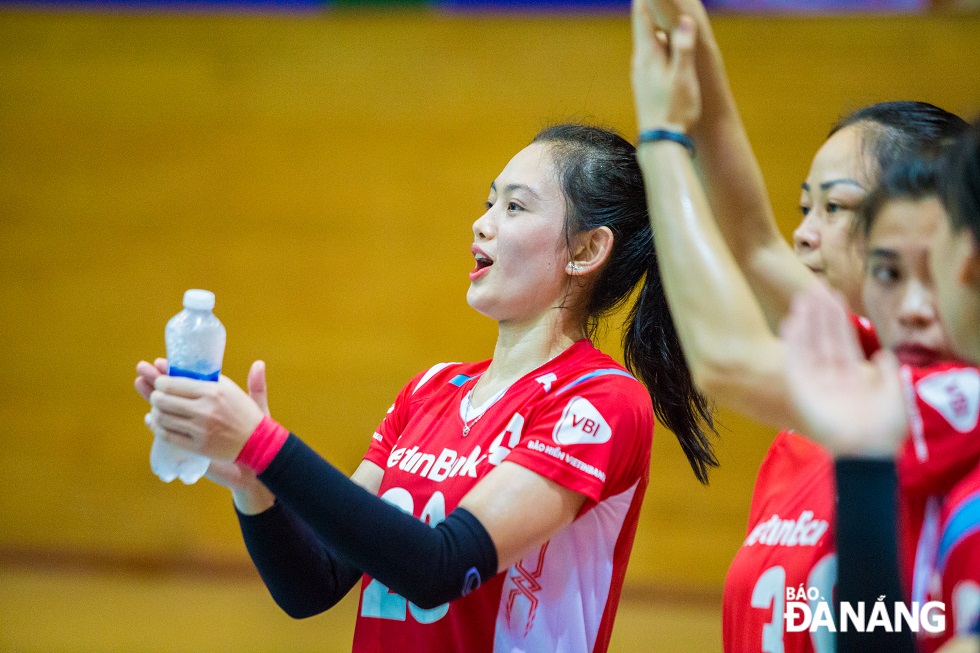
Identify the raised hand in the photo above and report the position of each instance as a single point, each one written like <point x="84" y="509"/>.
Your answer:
<point x="852" y="407"/>
<point x="668" y="12"/>
<point x="665" y="82"/>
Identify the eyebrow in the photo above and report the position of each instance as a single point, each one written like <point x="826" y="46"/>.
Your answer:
<point x="881" y="252"/>
<point x="510" y="188"/>
<point x="827" y="185"/>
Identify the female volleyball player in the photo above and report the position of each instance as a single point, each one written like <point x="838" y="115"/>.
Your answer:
<point x="511" y="488"/>
<point x="731" y="349"/>
<point x="861" y="412"/>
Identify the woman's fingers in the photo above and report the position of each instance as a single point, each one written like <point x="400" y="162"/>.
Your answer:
<point x="148" y="373"/>
<point x="184" y="387"/>
<point x="143" y="387"/>
<point x="257" y="388"/>
<point x="173" y="404"/>
<point x="181" y="431"/>
<point x="682" y="41"/>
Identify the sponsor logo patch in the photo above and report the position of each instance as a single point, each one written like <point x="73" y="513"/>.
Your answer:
<point x="955" y="395"/>
<point x="581" y="423"/>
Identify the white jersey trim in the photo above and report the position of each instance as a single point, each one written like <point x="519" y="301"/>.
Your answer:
<point x="435" y="369"/>
<point x="554" y="599"/>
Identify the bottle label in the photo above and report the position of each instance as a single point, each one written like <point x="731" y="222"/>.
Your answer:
<point x="177" y="371"/>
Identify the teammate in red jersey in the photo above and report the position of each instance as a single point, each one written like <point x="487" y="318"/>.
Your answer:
<point x="945" y="424"/>
<point x="512" y="485"/>
<point x="733" y="353"/>
<point x="859" y="410"/>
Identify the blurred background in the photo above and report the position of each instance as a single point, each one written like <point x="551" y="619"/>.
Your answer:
<point x="318" y="168"/>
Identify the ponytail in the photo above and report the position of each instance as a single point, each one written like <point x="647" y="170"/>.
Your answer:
<point x="603" y="186"/>
<point x="653" y="352"/>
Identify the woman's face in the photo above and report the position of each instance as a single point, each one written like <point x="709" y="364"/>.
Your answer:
<point x="831" y="195"/>
<point x="899" y="293"/>
<point x="955" y="262"/>
<point x="520" y="248"/>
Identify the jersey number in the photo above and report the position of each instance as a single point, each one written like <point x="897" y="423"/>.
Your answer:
<point x="380" y="602"/>
<point x="770" y="592"/>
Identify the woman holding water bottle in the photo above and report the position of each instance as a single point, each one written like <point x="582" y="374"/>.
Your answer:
<point x="498" y="500"/>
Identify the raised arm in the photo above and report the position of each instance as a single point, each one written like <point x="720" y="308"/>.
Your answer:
<point x="731" y="175"/>
<point x="733" y="354"/>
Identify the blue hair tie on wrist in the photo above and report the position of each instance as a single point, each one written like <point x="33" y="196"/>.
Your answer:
<point x="656" y="135"/>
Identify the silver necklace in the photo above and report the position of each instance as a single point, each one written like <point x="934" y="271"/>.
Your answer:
<point x="468" y="424"/>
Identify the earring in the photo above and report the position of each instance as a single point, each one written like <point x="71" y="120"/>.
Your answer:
<point x="574" y="266"/>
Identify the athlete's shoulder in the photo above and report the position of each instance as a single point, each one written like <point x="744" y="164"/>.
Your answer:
<point x="442" y="374"/>
<point x="793" y="466"/>
<point x="950" y="389"/>
<point x="793" y="451"/>
<point x="585" y="368"/>
<point x="866" y="334"/>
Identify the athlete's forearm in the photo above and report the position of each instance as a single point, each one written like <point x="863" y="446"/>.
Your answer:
<point x="732" y="353"/>
<point x="304" y="576"/>
<point x="736" y="189"/>
<point x="867" y="553"/>
<point x="426" y="565"/>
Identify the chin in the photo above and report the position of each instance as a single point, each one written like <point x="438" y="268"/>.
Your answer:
<point x="480" y="304"/>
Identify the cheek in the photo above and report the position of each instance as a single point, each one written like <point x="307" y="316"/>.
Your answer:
<point x="881" y="307"/>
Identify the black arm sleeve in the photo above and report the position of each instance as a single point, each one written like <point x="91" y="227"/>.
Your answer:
<point x="303" y="576"/>
<point x="867" y="550"/>
<point x="428" y="566"/>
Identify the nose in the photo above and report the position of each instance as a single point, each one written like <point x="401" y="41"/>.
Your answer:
<point x="918" y="308"/>
<point x="807" y="236"/>
<point x="483" y="226"/>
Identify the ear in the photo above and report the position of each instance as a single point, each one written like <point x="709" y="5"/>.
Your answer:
<point x="591" y="249"/>
<point x="969" y="272"/>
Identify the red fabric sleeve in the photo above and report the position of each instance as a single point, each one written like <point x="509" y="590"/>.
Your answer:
<point x="593" y="437"/>
<point x="866" y="334"/>
<point x="944" y="435"/>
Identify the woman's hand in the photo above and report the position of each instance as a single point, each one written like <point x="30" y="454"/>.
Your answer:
<point x="665" y="82"/>
<point x="251" y="497"/>
<point x="213" y="419"/>
<point x="851" y="406"/>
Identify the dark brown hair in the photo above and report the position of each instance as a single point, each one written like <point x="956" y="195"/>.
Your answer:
<point x="603" y="187"/>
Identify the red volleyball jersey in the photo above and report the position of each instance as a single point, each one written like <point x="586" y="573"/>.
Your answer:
<point x="935" y="466"/>
<point x="789" y="544"/>
<point x="580" y="420"/>
<point x="794" y="493"/>
<point x="955" y="579"/>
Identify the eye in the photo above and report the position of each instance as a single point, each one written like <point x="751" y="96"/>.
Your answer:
<point x="488" y="205"/>
<point x="833" y="207"/>
<point x="804" y="210"/>
<point x="514" y="207"/>
<point x="884" y="274"/>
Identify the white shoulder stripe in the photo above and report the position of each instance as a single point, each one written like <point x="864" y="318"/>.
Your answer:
<point x="435" y="369"/>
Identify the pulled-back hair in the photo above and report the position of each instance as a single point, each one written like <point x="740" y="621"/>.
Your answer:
<point x="896" y="131"/>
<point x="601" y="180"/>
<point x="912" y="179"/>
<point x="961" y="182"/>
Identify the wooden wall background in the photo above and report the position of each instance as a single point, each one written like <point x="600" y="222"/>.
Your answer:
<point x="320" y="173"/>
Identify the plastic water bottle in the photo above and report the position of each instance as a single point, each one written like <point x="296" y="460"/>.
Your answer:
<point x="195" y="346"/>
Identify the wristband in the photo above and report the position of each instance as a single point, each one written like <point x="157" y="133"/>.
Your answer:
<point x="657" y="135"/>
<point x="263" y="445"/>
